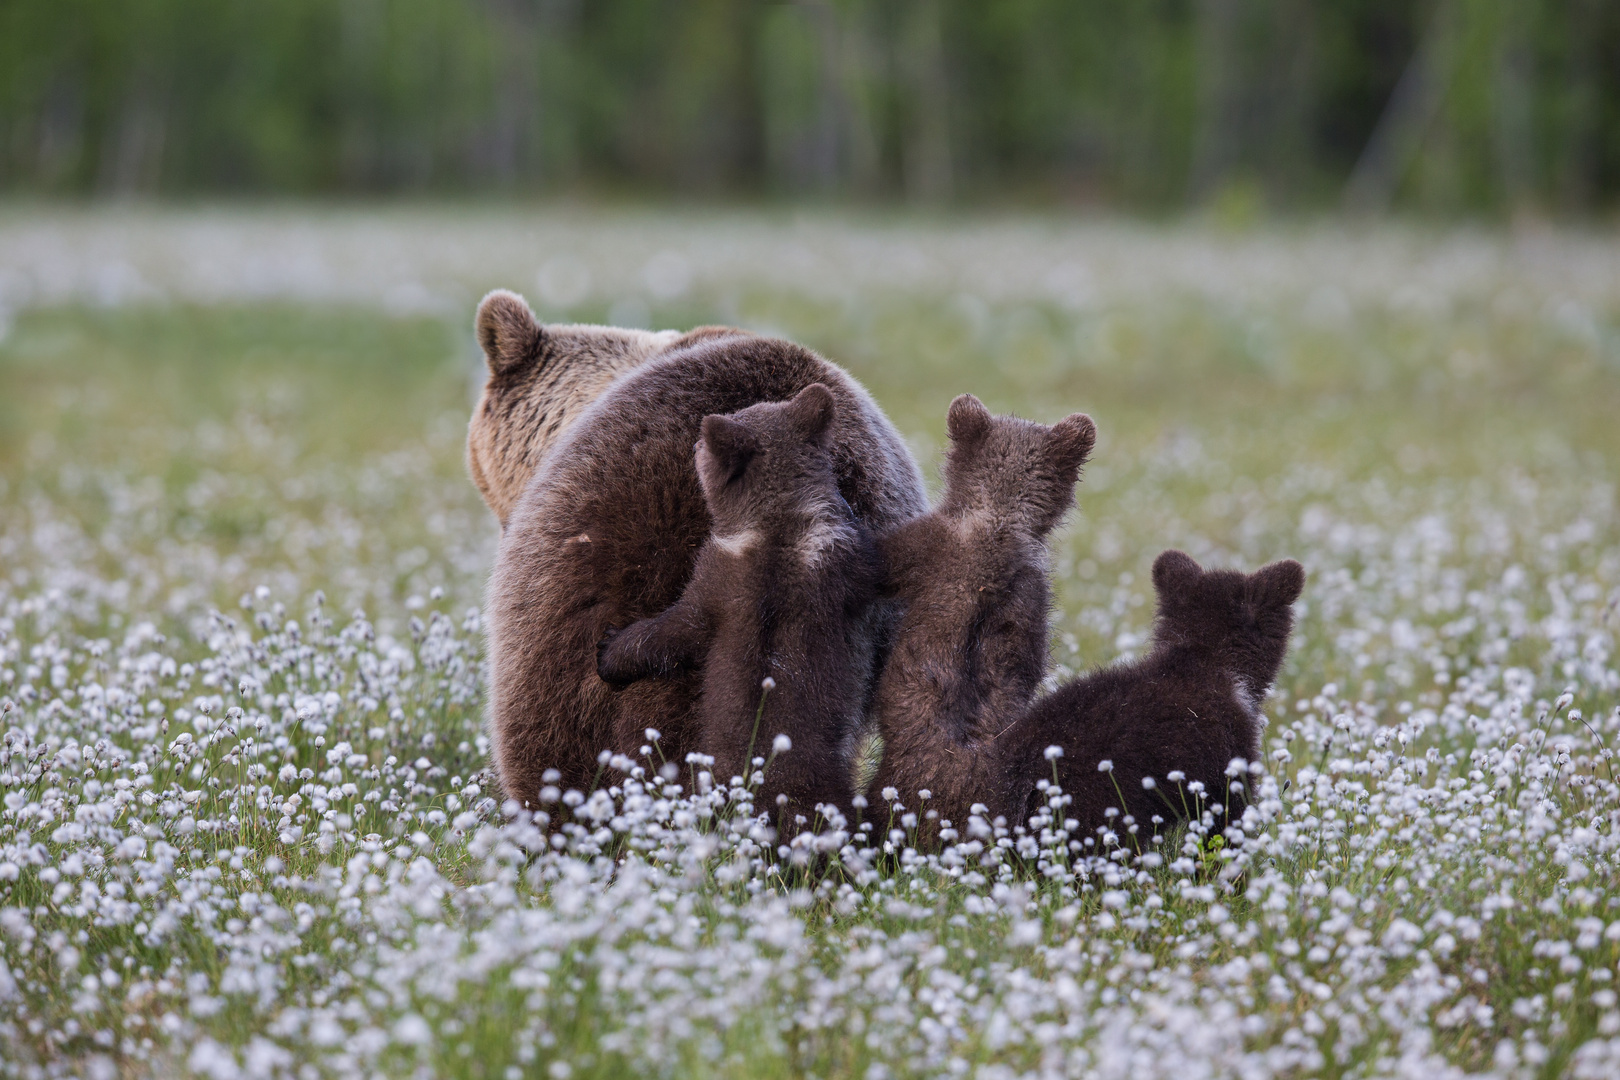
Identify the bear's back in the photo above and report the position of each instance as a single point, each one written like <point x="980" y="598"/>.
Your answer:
<point x="607" y="531"/>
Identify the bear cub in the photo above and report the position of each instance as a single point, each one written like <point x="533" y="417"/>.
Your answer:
<point x="971" y="576"/>
<point x="1191" y="705"/>
<point x="776" y="594"/>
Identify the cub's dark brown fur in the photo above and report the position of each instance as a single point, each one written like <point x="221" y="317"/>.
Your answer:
<point x="1192" y="704"/>
<point x="777" y="587"/>
<point x="607" y="533"/>
<point x="541" y="378"/>
<point x="972" y="578"/>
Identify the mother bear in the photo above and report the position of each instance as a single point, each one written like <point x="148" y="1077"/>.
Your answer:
<point x="582" y="445"/>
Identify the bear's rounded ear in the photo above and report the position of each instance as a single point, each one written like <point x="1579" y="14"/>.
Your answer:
<point x="730" y="446"/>
<point x="967" y="420"/>
<point x="508" y="332"/>
<point x="1278" y="584"/>
<point x="812" y="410"/>
<point x="1072" y="439"/>
<point x="1174" y="572"/>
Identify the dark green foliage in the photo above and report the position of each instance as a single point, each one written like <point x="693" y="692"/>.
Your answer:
<point x="1157" y="103"/>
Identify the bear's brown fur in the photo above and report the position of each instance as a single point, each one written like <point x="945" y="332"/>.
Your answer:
<point x="1191" y="705"/>
<point x="971" y="577"/>
<point x="607" y="531"/>
<point x="541" y="378"/>
<point x="776" y="589"/>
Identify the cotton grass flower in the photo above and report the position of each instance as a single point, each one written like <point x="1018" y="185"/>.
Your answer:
<point x="246" y="830"/>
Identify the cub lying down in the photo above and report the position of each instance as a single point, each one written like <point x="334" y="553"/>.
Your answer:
<point x="1189" y="707"/>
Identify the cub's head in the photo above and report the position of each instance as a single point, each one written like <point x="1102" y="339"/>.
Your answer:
<point x="1011" y="471"/>
<point x="1244" y="619"/>
<point x="770" y="461"/>
<point x="541" y="377"/>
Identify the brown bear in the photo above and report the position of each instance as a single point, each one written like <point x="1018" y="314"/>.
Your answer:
<point x="1189" y="707"/>
<point x="777" y="586"/>
<point x="607" y="530"/>
<point x="540" y="379"/>
<point x="971" y="576"/>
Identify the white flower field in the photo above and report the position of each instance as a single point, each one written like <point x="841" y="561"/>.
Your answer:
<point x="246" y="828"/>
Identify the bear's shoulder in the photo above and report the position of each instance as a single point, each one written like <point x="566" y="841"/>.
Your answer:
<point x="646" y="423"/>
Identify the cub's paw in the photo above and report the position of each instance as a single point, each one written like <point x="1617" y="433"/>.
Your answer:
<point x="610" y="667"/>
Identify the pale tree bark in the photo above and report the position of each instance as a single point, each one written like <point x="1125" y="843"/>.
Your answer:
<point x="842" y="143"/>
<point x="858" y="75"/>
<point x="1410" y="112"/>
<point x="512" y="128"/>
<point x="925" y="143"/>
<point x="362" y="154"/>
<point x="132" y="163"/>
<point x="1293" y="111"/>
<point x="1217" y="146"/>
<point x="1513" y="133"/>
<point x="60" y="139"/>
<point x="827" y="137"/>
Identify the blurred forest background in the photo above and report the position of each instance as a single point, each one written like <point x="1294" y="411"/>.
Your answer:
<point x="1452" y="106"/>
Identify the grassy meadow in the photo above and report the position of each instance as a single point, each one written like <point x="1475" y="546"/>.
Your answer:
<point x="245" y="829"/>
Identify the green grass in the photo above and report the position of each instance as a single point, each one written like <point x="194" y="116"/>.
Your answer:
<point x="1447" y="478"/>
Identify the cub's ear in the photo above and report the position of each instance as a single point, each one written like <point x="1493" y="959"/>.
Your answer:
<point x="1278" y="584"/>
<point x="1174" y="572"/>
<point x="812" y="410"/>
<point x="508" y="332"/>
<point x="1072" y="440"/>
<point x="730" y="446"/>
<point x="968" y="419"/>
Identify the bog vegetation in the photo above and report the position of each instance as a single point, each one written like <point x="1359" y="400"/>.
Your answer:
<point x="1486" y="105"/>
<point x="245" y="829"/>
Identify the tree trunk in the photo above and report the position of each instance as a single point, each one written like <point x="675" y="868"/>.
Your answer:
<point x="1411" y="110"/>
<point x="926" y="139"/>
